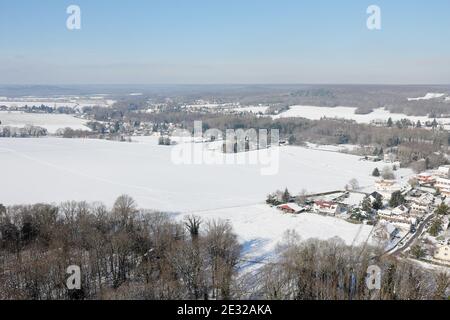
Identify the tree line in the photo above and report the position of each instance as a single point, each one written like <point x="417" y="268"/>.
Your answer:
<point x="129" y="253"/>
<point x="123" y="253"/>
<point x="24" y="132"/>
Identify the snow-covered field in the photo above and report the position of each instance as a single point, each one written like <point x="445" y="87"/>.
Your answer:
<point x="56" y="170"/>
<point x="429" y="96"/>
<point x="51" y="122"/>
<point x="145" y="170"/>
<point x="69" y="102"/>
<point x="261" y="228"/>
<point x="251" y="109"/>
<point x="316" y="113"/>
<point x="333" y="148"/>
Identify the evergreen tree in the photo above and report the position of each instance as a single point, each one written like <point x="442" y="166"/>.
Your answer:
<point x="378" y="203"/>
<point x="418" y="252"/>
<point x="390" y="123"/>
<point x="286" y="196"/>
<point x="434" y="124"/>
<point x="376" y="172"/>
<point x="442" y="210"/>
<point x="367" y="205"/>
<point x="436" y="227"/>
<point x="397" y="199"/>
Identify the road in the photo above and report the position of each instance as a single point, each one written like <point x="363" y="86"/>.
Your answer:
<point x="416" y="235"/>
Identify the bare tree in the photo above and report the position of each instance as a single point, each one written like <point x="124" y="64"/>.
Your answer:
<point x="193" y="224"/>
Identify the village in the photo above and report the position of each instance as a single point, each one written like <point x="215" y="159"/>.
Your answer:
<point x="410" y="220"/>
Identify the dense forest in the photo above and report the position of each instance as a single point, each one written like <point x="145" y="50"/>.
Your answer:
<point x="128" y="253"/>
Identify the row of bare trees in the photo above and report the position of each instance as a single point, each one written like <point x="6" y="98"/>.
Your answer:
<point x="330" y="270"/>
<point x="126" y="253"/>
<point x="123" y="253"/>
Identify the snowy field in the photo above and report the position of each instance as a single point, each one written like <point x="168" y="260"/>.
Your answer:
<point x="316" y="113"/>
<point x="251" y="109"/>
<point x="51" y="122"/>
<point x="261" y="228"/>
<point x="73" y="102"/>
<point x="429" y="96"/>
<point x="145" y="171"/>
<point x="55" y="170"/>
<point x="347" y="148"/>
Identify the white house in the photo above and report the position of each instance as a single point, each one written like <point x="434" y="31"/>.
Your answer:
<point x="443" y="171"/>
<point x="385" y="231"/>
<point x="400" y="211"/>
<point x="399" y="214"/>
<point x="423" y="204"/>
<point x="326" y="207"/>
<point x="443" y="185"/>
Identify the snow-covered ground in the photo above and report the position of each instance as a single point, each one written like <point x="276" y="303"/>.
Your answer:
<point x="55" y="170"/>
<point x="316" y="113"/>
<point x="251" y="109"/>
<point x="203" y="106"/>
<point x="57" y="102"/>
<point x="428" y="96"/>
<point x="333" y="148"/>
<point x="51" y="122"/>
<point x="145" y="171"/>
<point x="261" y="228"/>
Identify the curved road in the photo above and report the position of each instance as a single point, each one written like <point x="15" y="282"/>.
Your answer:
<point x="416" y="235"/>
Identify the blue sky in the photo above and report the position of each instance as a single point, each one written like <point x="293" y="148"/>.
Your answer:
<point x="224" y="41"/>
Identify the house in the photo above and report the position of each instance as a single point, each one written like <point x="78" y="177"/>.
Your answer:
<point x="292" y="208"/>
<point x="400" y="211"/>
<point x="423" y="204"/>
<point x="443" y="185"/>
<point x="443" y="253"/>
<point x="399" y="214"/>
<point x="443" y="171"/>
<point x="426" y="178"/>
<point x="326" y="207"/>
<point x="385" y="231"/>
<point x="387" y="187"/>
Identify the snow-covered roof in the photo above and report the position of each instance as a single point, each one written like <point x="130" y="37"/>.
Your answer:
<point x="400" y="210"/>
<point x="325" y="204"/>
<point x="291" y="206"/>
<point x="425" y="199"/>
<point x="388" y="227"/>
